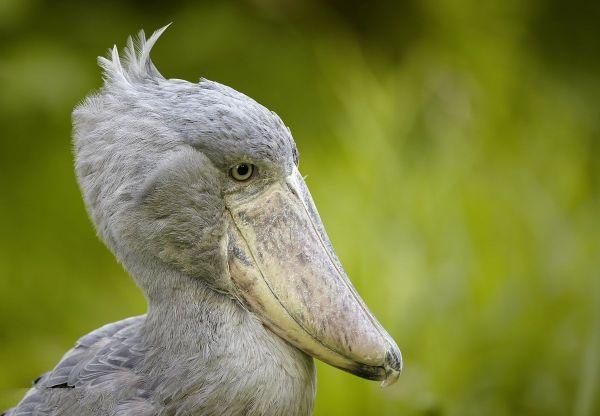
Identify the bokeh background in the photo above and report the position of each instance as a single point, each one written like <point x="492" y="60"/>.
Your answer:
<point x="451" y="146"/>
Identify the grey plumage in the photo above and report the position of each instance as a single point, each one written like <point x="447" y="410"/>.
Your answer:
<point x="115" y="371"/>
<point x="152" y="160"/>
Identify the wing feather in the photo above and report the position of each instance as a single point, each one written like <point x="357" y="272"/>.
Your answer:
<point x="107" y="355"/>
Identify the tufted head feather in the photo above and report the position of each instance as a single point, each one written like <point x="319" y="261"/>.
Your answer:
<point x="137" y="65"/>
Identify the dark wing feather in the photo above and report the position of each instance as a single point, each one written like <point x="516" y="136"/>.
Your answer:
<point x="101" y="352"/>
<point x="103" y="355"/>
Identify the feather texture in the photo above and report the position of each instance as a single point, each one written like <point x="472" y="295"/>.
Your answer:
<point x="137" y="65"/>
<point x="152" y="155"/>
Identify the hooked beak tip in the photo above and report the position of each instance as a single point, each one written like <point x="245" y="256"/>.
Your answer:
<point x="393" y="366"/>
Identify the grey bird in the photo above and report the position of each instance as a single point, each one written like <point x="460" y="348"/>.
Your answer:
<point x="195" y="189"/>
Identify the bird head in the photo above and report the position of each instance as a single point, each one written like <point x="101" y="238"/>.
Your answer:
<point x="205" y="180"/>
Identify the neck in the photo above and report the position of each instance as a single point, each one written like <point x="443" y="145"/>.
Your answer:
<point x="211" y="356"/>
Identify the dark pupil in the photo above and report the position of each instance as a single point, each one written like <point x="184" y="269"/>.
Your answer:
<point x="243" y="169"/>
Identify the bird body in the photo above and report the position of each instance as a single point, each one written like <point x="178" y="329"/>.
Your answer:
<point x="195" y="189"/>
<point x="127" y="368"/>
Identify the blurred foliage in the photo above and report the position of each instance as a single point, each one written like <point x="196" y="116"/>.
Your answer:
<point x="451" y="146"/>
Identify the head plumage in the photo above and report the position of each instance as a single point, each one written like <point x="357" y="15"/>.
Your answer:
<point x="137" y="65"/>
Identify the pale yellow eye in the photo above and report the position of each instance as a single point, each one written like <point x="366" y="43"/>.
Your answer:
<point x="242" y="172"/>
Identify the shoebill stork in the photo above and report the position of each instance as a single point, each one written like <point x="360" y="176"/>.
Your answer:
<point x="195" y="188"/>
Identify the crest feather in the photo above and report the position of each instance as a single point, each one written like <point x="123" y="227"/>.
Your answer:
<point x="137" y="65"/>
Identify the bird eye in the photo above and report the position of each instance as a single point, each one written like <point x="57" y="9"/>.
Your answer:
<point x="242" y="172"/>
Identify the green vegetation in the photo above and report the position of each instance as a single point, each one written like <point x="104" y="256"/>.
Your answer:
<point x="451" y="147"/>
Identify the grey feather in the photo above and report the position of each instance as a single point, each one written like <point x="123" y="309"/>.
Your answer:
<point x="151" y="157"/>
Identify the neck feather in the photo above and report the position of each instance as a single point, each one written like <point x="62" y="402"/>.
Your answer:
<point x="230" y="362"/>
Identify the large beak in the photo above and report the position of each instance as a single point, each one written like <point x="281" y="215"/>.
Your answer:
<point x="284" y="270"/>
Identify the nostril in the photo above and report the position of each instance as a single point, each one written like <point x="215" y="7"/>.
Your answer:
<point x="292" y="189"/>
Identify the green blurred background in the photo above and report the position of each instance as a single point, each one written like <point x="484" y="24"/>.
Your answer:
<point x="451" y="146"/>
